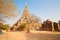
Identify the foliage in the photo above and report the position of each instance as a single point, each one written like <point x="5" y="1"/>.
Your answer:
<point x="7" y="8"/>
<point x="22" y="26"/>
<point x="55" y="26"/>
<point x="47" y="25"/>
<point x="11" y="28"/>
<point x="36" y="19"/>
<point x="59" y="22"/>
<point x="4" y="27"/>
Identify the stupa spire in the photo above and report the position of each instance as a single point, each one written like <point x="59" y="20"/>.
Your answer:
<point x="26" y="11"/>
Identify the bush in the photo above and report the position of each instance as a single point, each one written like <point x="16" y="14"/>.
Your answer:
<point x="22" y="27"/>
<point x="4" y="27"/>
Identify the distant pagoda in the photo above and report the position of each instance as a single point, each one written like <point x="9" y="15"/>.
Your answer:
<point x="26" y="15"/>
<point x="27" y="18"/>
<point x="26" y="12"/>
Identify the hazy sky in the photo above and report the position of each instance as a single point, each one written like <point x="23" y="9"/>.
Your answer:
<point x="45" y="9"/>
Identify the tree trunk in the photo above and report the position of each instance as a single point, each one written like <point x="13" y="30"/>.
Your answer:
<point x="52" y="27"/>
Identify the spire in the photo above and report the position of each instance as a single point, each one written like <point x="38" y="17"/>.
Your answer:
<point x="26" y="11"/>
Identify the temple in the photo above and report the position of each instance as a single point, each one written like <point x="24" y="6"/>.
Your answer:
<point x="34" y="23"/>
<point x="31" y="22"/>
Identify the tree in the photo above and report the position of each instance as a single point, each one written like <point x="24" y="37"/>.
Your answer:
<point x="36" y="22"/>
<point x="11" y="28"/>
<point x="59" y="24"/>
<point x="36" y="19"/>
<point x="55" y="26"/>
<point x="44" y="25"/>
<point x="47" y="25"/>
<point x="4" y="27"/>
<point x="7" y="8"/>
<point x="22" y="26"/>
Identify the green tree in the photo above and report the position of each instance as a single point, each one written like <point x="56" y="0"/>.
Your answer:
<point x="22" y="26"/>
<point x="4" y="27"/>
<point x="59" y="22"/>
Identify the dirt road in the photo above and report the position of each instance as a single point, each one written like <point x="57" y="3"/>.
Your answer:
<point x="37" y="35"/>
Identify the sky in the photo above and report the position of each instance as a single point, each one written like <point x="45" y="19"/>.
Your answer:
<point x="45" y="9"/>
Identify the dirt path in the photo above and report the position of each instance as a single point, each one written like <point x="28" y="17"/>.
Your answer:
<point x="17" y="36"/>
<point x="34" y="35"/>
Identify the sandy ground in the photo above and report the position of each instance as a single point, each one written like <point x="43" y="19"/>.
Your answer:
<point x="28" y="36"/>
<point x="13" y="36"/>
<point x="45" y="32"/>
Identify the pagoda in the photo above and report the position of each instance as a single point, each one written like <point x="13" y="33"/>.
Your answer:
<point x="27" y="18"/>
<point x="26" y="15"/>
